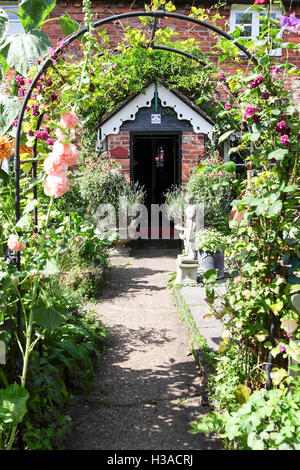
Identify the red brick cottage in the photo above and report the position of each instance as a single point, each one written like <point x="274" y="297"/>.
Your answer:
<point x="162" y="128"/>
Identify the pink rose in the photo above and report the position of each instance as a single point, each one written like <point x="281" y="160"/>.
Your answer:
<point x="55" y="165"/>
<point x="69" y="120"/>
<point x="56" y="185"/>
<point x="284" y="139"/>
<point x="14" y="243"/>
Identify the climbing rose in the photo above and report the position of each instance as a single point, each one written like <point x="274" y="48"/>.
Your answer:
<point x="281" y="126"/>
<point x="14" y="243"/>
<point x="250" y="110"/>
<point x="69" y="120"/>
<point x="284" y="139"/>
<point x="56" y="185"/>
<point x="256" y="82"/>
<point x="55" y="165"/>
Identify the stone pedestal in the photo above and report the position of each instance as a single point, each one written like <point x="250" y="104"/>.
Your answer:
<point x="186" y="272"/>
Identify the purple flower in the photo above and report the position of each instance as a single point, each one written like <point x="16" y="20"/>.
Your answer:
<point x="227" y="106"/>
<point x="48" y="81"/>
<point x="20" y="80"/>
<point x="250" y="110"/>
<point x="281" y="127"/>
<point x="274" y="70"/>
<point x="61" y="44"/>
<point x="53" y="97"/>
<point x="15" y="123"/>
<point x="50" y="142"/>
<point x="265" y="95"/>
<point x="256" y="82"/>
<point x="38" y="88"/>
<point x="281" y="348"/>
<point x="113" y="66"/>
<point x="37" y="61"/>
<point x="255" y="118"/>
<point x="30" y="133"/>
<point x="125" y="80"/>
<point x="291" y="23"/>
<point x="52" y="53"/>
<point x="221" y="76"/>
<point x="42" y="135"/>
<point x="103" y="67"/>
<point x="284" y="139"/>
<point x="21" y="91"/>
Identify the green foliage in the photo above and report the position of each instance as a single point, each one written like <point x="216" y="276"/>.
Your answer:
<point x="34" y="12"/>
<point x="20" y="51"/>
<point x="268" y="420"/>
<point x="210" y="240"/>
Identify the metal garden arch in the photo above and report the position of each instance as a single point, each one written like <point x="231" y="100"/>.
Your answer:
<point x="156" y="15"/>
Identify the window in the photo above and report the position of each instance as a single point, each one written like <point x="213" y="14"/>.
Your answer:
<point x="243" y="17"/>
<point x="15" y="26"/>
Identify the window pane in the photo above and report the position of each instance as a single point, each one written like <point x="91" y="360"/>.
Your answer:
<point x="243" y="18"/>
<point x="14" y="26"/>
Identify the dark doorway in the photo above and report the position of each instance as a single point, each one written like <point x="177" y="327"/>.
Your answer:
<point x="155" y="164"/>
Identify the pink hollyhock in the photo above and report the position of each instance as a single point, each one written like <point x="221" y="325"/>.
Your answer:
<point x="55" y="165"/>
<point x="63" y="137"/>
<point x="14" y="243"/>
<point x="67" y="152"/>
<point x="284" y="139"/>
<point x="69" y="120"/>
<point x="56" y="185"/>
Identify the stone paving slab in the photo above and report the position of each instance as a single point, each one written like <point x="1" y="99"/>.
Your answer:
<point x="209" y="327"/>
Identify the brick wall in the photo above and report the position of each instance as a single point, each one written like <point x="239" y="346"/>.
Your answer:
<point x="191" y="146"/>
<point x="104" y="8"/>
<point x="121" y="140"/>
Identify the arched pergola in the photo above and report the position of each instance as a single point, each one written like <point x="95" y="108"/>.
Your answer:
<point x="156" y="15"/>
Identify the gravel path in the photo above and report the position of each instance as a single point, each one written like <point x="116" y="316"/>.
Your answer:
<point x="147" y="389"/>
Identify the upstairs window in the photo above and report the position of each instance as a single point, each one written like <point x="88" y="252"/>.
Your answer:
<point x="15" y="26"/>
<point x="248" y="21"/>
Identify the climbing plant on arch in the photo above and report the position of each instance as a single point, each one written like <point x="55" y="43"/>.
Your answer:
<point x="262" y="318"/>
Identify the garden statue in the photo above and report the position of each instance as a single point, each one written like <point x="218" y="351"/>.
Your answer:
<point x="187" y="265"/>
<point x="189" y="230"/>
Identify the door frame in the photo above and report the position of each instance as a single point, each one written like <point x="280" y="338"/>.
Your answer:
<point x="154" y="134"/>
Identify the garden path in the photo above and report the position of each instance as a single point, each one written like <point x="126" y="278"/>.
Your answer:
<point x="147" y="389"/>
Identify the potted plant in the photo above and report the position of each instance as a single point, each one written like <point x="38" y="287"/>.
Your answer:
<point x="210" y="245"/>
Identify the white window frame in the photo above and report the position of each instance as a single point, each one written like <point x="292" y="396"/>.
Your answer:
<point x="16" y="21"/>
<point x="242" y="8"/>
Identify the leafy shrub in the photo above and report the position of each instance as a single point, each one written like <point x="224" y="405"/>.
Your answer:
<point x="210" y="240"/>
<point x="102" y="182"/>
<point x="211" y="184"/>
<point x="268" y="420"/>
